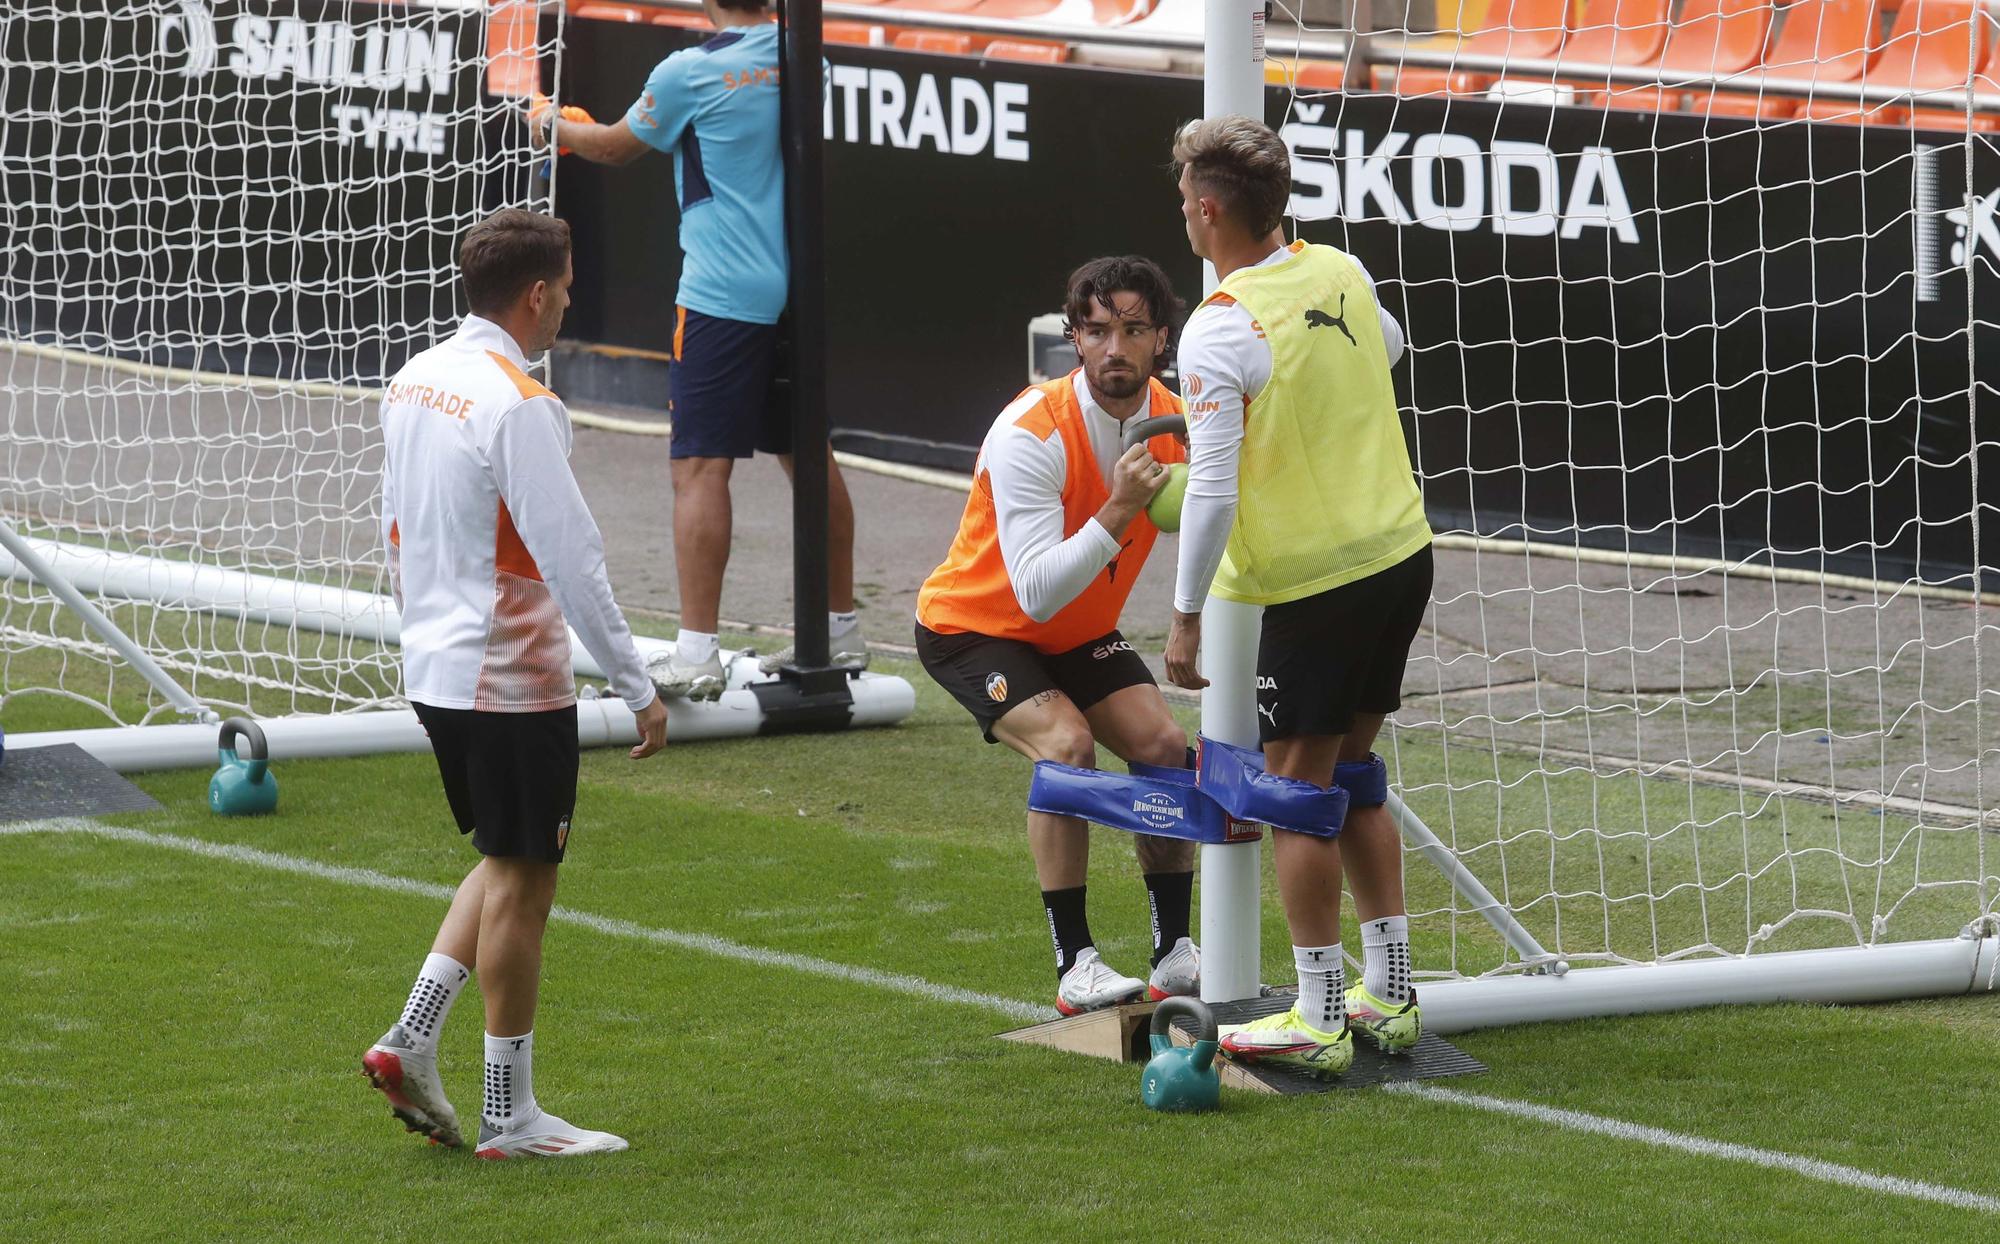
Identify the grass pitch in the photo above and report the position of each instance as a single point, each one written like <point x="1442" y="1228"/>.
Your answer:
<point x="182" y="1034"/>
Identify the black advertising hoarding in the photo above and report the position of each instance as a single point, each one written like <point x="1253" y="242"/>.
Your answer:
<point x="270" y="187"/>
<point x="1634" y="330"/>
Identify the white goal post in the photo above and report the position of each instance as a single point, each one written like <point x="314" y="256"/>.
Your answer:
<point x="227" y="222"/>
<point x="1705" y="695"/>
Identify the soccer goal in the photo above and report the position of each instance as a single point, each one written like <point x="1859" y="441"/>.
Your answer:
<point x="226" y="224"/>
<point x="1699" y="394"/>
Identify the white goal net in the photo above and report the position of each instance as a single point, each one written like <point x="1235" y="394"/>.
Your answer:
<point x="224" y="224"/>
<point x="1695" y="388"/>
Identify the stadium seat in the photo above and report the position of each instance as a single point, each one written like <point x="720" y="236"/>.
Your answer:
<point x="1826" y="40"/>
<point x="1853" y="112"/>
<point x="867" y="34"/>
<point x="933" y="6"/>
<point x="1305" y="75"/>
<point x="1028" y="50"/>
<point x="948" y="42"/>
<point x="1743" y="104"/>
<point x="1717" y="37"/>
<point x="610" y="13"/>
<point x="1516" y="29"/>
<point x="1927" y="48"/>
<point x="682" y="18"/>
<point x="1954" y="120"/>
<point x="1638" y="97"/>
<point x="1521" y="29"/>
<point x="1619" y="32"/>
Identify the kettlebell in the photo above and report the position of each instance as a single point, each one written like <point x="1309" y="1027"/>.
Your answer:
<point x="1182" y="1078"/>
<point x="242" y="787"/>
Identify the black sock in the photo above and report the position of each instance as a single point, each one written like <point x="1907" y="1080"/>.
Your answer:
<point x="1170" y="895"/>
<point x="1067" y="925"/>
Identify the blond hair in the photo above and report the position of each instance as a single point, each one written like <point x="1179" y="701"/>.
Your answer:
<point x="1242" y="164"/>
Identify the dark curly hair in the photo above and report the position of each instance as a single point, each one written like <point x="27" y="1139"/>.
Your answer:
<point x="1096" y="281"/>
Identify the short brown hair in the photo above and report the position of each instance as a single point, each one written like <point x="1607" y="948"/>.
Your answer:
<point x="508" y="252"/>
<point x="1243" y="164"/>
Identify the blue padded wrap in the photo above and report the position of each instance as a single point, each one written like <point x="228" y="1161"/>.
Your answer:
<point x="1234" y="777"/>
<point x="1165" y="806"/>
<point x="1365" y="781"/>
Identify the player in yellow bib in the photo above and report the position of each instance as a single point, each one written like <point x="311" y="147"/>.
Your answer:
<point x="1301" y="499"/>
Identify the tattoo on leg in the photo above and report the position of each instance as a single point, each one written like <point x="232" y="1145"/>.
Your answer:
<point x="1048" y="697"/>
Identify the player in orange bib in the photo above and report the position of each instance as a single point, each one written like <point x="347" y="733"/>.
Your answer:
<point x="1020" y="623"/>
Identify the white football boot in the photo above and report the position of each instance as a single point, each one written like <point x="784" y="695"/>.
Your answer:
<point x="1178" y="975"/>
<point x="678" y="679"/>
<point x="410" y="1081"/>
<point x="1091" y="984"/>
<point x="545" y="1136"/>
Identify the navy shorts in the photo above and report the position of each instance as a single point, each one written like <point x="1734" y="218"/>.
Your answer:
<point x="729" y="397"/>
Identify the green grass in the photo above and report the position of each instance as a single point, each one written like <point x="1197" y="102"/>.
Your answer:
<point x="179" y="1042"/>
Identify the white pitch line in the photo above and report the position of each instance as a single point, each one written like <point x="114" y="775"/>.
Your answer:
<point x="368" y="878"/>
<point x="1598" y="1125"/>
<point x="1570" y="1120"/>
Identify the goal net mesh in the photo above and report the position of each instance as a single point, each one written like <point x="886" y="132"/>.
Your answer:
<point x="225" y="223"/>
<point x="1691" y="385"/>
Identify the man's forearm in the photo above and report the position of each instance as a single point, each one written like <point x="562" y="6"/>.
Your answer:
<point x="600" y="144"/>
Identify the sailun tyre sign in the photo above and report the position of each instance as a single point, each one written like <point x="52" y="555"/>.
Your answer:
<point x="411" y="58"/>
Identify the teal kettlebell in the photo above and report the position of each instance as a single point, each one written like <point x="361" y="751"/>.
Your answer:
<point x="242" y="787"/>
<point x="1182" y="1077"/>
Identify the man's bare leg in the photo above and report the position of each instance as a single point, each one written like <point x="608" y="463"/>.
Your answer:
<point x="702" y="522"/>
<point x="1373" y="851"/>
<point x="1049" y="727"/>
<point x="1135" y="723"/>
<point x="839" y="535"/>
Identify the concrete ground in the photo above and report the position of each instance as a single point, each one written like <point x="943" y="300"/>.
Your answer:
<point x="1561" y="658"/>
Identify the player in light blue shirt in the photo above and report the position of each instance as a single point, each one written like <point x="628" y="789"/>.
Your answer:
<point x="715" y="109"/>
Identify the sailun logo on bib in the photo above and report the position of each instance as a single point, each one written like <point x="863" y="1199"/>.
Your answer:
<point x="1159" y="809"/>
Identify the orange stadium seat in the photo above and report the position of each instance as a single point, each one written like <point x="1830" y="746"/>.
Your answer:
<point x="1620" y="32"/>
<point x="1927" y="49"/>
<point x="1305" y="75"/>
<point x="1819" y="41"/>
<point x="1517" y="29"/>
<point x="1717" y="37"/>
<point x="864" y="33"/>
<point x="609" y="12"/>
<point x="949" y="42"/>
<point x="680" y="17"/>
<point x="1028" y="50"/>
<point x="1743" y="104"/>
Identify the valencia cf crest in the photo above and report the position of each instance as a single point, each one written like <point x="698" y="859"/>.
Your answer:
<point x="996" y="687"/>
<point x="562" y="834"/>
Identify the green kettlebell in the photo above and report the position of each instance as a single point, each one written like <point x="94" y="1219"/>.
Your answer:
<point x="243" y="787"/>
<point x="1179" y="1077"/>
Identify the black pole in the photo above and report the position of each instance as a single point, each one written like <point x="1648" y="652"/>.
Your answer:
<point x="802" y="91"/>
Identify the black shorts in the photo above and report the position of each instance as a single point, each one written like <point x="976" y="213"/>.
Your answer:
<point x="510" y="777"/>
<point x="991" y="676"/>
<point x="1327" y="657"/>
<point x="729" y="397"/>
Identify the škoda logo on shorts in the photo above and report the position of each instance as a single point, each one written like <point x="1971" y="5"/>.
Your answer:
<point x="996" y="687"/>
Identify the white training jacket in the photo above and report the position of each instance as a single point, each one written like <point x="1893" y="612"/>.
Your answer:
<point x="490" y="543"/>
<point x="1224" y="357"/>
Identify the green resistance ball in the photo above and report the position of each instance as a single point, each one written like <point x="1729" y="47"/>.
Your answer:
<point x="1165" y="507"/>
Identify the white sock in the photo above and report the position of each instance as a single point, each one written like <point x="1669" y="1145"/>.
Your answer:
<point x="430" y="1001"/>
<point x="1322" y="986"/>
<point x="1385" y="958"/>
<point x="842" y="624"/>
<point x="695" y="647"/>
<point x="510" y="1082"/>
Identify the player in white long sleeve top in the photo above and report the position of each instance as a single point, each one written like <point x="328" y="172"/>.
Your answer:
<point x="1227" y="353"/>
<point x="491" y="545"/>
<point x="1020" y="622"/>
<point x="1302" y="501"/>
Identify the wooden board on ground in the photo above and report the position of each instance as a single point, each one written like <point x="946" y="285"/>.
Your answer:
<point x="1120" y="1034"/>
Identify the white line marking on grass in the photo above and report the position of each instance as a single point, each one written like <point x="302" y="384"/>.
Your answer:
<point x="721" y="947"/>
<point x="1598" y="1125"/>
<point x="1571" y="1120"/>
